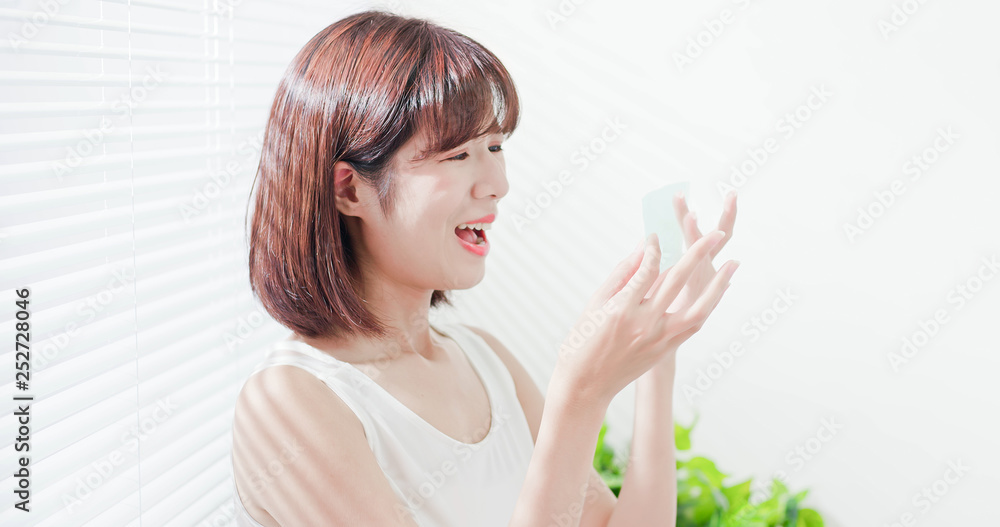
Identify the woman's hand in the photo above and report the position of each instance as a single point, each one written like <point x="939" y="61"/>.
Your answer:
<point x="704" y="271"/>
<point x="625" y="328"/>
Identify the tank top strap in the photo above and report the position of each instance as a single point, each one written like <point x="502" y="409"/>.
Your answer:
<point x="349" y="384"/>
<point x="322" y="364"/>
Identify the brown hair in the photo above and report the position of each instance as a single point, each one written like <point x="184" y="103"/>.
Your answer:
<point x="356" y="92"/>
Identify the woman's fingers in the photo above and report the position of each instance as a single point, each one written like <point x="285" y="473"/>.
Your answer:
<point x="683" y="219"/>
<point x="639" y="283"/>
<point x="710" y="298"/>
<point x="691" y="231"/>
<point x="619" y="276"/>
<point x="727" y="220"/>
<point x="698" y="312"/>
<point x="679" y="274"/>
<point x="689" y="222"/>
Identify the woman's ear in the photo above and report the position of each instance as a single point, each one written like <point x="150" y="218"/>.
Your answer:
<point x="349" y="190"/>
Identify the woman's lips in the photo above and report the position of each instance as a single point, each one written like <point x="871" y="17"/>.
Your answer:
<point x="477" y="249"/>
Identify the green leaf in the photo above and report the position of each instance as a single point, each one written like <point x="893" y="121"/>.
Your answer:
<point x="600" y="444"/>
<point x="809" y="518"/>
<point x="702" y="500"/>
<point x="704" y="505"/>
<point x="738" y="495"/>
<point x="613" y="481"/>
<point x="682" y="437"/>
<point x="778" y="488"/>
<point x="707" y="467"/>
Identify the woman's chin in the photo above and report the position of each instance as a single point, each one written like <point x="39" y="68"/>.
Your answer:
<point x="465" y="280"/>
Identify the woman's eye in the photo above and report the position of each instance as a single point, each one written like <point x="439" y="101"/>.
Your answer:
<point x="465" y="155"/>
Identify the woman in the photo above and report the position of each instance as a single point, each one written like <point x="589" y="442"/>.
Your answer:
<point x="380" y="173"/>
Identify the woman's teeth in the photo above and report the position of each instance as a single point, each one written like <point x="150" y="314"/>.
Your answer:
<point x="469" y="234"/>
<point x="476" y="226"/>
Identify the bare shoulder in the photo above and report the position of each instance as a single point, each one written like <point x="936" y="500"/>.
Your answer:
<point x="528" y="393"/>
<point x="300" y="454"/>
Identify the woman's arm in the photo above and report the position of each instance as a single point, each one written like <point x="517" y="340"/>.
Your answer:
<point x="556" y="487"/>
<point x="649" y="492"/>
<point x="599" y="500"/>
<point x="304" y="454"/>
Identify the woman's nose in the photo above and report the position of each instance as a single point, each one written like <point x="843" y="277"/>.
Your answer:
<point x="493" y="180"/>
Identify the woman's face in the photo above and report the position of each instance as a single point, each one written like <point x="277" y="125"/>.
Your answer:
<point x="417" y="245"/>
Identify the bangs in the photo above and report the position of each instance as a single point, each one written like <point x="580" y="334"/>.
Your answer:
<point x="461" y="92"/>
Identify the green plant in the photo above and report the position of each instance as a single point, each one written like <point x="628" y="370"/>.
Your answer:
<point x="702" y="498"/>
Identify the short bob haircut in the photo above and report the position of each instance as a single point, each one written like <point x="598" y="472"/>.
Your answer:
<point x="356" y="92"/>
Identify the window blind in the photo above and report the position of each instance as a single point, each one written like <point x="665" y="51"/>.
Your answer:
<point x="129" y="137"/>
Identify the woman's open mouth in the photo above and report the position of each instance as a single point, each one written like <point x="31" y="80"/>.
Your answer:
<point x="473" y="239"/>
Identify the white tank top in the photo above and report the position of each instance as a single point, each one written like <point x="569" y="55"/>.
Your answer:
<point x="440" y="482"/>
